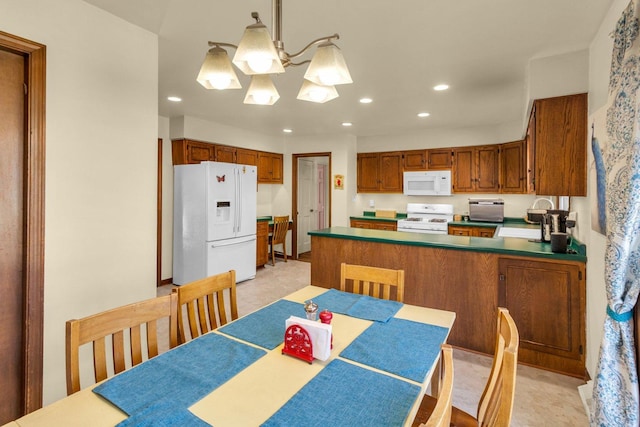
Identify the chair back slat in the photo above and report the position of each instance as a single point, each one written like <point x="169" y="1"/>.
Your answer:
<point x="99" y="359"/>
<point x="205" y="302"/>
<point x="112" y="324"/>
<point x="496" y="403"/>
<point x="152" y="338"/>
<point x="279" y="236"/>
<point x="441" y="415"/>
<point x="373" y="281"/>
<point x="117" y="344"/>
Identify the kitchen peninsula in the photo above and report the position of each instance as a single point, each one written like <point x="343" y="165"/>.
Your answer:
<point x="544" y="291"/>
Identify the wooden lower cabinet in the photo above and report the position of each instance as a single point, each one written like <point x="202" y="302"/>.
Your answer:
<point x="374" y="225"/>
<point x="472" y="231"/>
<point x="262" y="243"/>
<point x="546" y="298"/>
<point x="547" y="302"/>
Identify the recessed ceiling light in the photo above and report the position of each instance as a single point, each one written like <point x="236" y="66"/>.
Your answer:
<point x="287" y="130"/>
<point x="441" y="87"/>
<point x="424" y="114"/>
<point x="366" y="100"/>
<point x="174" y="99"/>
<point x="347" y="124"/>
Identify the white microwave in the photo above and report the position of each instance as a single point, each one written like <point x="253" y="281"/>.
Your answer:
<point x="427" y="183"/>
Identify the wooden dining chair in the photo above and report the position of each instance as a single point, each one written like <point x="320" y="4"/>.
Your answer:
<point x="205" y="302"/>
<point x="114" y="324"/>
<point x="441" y="415"/>
<point x="496" y="403"/>
<point x="374" y="281"/>
<point x="279" y="236"/>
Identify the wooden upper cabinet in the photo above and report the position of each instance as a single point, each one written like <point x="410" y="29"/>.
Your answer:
<point x="225" y="154"/>
<point x="439" y="158"/>
<point x="475" y="169"/>
<point x="560" y="141"/>
<point x="415" y="160"/>
<point x="185" y="151"/>
<point x="391" y="172"/>
<point x="269" y="168"/>
<point x="269" y="165"/>
<point x="463" y="170"/>
<point x="487" y="171"/>
<point x="246" y="157"/>
<point x="513" y="169"/>
<point x="380" y="172"/>
<point x="368" y="172"/>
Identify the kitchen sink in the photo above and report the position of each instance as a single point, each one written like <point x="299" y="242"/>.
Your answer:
<point x="521" y="233"/>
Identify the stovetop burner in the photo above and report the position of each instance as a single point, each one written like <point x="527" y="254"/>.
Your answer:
<point x="437" y="220"/>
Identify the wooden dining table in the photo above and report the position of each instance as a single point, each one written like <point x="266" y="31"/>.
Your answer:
<point x="271" y="388"/>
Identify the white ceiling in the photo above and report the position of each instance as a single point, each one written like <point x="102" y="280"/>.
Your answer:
<point x="396" y="52"/>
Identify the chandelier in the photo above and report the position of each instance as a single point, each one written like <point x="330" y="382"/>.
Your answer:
<point x="258" y="56"/>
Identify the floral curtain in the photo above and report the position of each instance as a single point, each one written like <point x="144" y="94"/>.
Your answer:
<point x="615" y="391"/>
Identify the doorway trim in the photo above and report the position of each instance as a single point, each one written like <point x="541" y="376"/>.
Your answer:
<point x="294" y="196"/>
<point x="35" y="69"/>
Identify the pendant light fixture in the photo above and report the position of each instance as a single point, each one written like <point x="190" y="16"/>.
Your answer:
<point x="258" y="55"/>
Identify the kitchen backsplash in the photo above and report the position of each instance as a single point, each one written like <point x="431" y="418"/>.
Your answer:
<point x="515" y="205"/>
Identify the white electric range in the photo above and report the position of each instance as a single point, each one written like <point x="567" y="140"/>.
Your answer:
<point x="427" y="218"/>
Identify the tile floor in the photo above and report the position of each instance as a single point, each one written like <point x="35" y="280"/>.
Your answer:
<point x="542" y="398"/>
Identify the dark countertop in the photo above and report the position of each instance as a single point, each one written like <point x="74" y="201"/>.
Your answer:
<point x="503" y="245"/>
<point x="265" y="218"/>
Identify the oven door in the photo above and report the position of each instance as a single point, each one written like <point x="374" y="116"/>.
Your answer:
<point x="422" y="230"/>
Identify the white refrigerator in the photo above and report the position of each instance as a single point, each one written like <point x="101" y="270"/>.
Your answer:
<point x="214" y="221"/>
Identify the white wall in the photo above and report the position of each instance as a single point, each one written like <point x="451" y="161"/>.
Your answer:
<point x="101" y="101"/>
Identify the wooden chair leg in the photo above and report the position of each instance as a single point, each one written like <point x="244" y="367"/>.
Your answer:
<point x="273" y="256"/>
<point x="284" y="250"/>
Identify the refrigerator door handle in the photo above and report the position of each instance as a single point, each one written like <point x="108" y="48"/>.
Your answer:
<point x="230" y="242"/>
<point x="238" y="201"/>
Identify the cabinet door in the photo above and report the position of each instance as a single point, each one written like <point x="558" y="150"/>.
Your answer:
<point x="547" y="303"/>
<point x="561" y="145"/>
<point x="513" y="174"/>
<point x="530" y="146"/>
<point x="386" y="225"/>
<point x="485" y="232"/>
<point x="262" y="243"/>
<point x="276" y="168"/>
<point x="487" y="169"/>
<point x="368" y="172"/>
<point x="438" y="159"/>
<point x="246" y="157"/>
<point x="459" y="231"/>
<point x="391" y="172"/>
<point x="463" y="170"/>
<point x="415" y="160"/>
<point x="225" y="154"/>
<point x="270" y="168"/>
<point x="355" y="223"/>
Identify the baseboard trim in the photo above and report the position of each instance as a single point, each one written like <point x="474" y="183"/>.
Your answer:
<point x="586" y="395"/>
<point x="168" y="281"/>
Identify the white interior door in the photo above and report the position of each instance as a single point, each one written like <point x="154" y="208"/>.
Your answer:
<point x="307" y="203"/>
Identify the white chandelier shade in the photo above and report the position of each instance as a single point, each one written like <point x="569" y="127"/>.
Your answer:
<point x="261" y="91"/>
<point x="256" y="53"/>
<point x="316" y="93"/>
<point x="216" y="71"/>
<point x="328" y="67"/>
